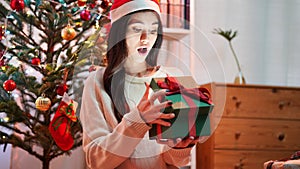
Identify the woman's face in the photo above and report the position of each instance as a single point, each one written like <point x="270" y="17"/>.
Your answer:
<point x="141" y="35"/>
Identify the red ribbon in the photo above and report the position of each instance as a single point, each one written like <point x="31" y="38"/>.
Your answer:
<point x="188" y="95"/>
<point x="175" y="87"/>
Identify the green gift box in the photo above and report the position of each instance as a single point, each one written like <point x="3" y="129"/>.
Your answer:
<point x="191" y="112"/>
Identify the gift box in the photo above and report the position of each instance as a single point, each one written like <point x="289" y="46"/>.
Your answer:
<point x="191" y="106"/>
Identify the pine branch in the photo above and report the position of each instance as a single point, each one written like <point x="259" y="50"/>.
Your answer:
<point x="12" y="128"/>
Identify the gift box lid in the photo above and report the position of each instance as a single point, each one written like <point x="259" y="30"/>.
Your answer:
<point x="185" y="81"/>
<point x="180" y="88"/>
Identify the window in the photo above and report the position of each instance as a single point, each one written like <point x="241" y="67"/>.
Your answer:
<point x="175" y="13"/>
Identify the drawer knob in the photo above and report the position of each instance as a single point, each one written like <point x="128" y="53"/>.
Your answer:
<point x="281" y="104"/>
<point x="281" y="136"/>
<point x="237" y="102"/>
<point x="240" y="164"/>
<point x="237" y="135"/>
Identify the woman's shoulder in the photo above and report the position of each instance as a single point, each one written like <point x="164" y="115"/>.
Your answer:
<point x="172" y="71"/>
<point x="96" y="76"/>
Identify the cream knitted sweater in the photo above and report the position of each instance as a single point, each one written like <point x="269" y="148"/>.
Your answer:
<point x="124" y="145"/>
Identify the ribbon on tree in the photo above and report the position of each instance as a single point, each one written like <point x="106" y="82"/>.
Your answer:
<point x="60" y="125"/>
<point x="188" y="94"/>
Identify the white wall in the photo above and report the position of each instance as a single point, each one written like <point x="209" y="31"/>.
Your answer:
<point x="267" y="43"/>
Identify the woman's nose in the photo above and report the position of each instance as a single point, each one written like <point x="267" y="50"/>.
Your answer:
<point x="144" y="38"/>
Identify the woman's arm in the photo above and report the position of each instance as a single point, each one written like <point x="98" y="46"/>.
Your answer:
<point x="105" y="142"/>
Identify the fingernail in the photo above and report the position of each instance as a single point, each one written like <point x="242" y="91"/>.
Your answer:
<point x="172" y="115"/>
<point x="178" y="139"/>
<point x="192" y="138"/>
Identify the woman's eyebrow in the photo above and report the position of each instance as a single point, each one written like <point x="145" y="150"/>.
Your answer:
<point x="139" y="21"/>
<point x="155" y="23"/>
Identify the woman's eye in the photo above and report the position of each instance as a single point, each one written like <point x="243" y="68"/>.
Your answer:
<point x="136" y="30"/>
<point x="153" y="31"/>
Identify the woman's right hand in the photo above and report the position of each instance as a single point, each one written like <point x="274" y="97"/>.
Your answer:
<point x="150" y="112"/>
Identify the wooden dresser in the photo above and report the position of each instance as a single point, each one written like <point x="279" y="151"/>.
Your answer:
<point x="256" y="123"/>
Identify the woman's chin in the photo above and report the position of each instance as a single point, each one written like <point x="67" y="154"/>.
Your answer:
<point x="143" y="55"/>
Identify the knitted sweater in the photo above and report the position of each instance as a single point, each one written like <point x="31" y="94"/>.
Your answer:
<point x="124" y="145"/>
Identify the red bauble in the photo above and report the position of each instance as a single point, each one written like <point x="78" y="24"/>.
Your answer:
<point x="35" y="61"/>
<point x="85" y="15"/>
<point x="9" y="85"/>
<point x="61" y="89"/>
<point x="17" y="5"/>
<point x="81" y="2"/>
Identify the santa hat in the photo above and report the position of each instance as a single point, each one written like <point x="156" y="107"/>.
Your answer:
<point x="124" y="7"/>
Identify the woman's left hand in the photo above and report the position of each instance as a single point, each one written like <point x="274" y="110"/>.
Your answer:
<point x="180" y="143"/>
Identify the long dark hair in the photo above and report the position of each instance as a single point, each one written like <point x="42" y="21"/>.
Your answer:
<point x="114" y="75"/>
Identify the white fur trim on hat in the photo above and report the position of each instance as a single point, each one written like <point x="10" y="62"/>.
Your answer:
<point x="132" y="6"/>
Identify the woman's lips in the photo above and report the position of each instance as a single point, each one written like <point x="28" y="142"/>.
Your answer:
<point x="142" y="50"/>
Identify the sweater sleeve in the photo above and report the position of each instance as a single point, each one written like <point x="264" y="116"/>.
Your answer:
<point x="103" y="144"/>
<point x="177" y="157"/>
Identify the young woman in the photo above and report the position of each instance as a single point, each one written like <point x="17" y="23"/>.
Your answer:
<point x="117" y="106"/>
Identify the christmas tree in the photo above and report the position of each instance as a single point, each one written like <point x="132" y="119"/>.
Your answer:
<point x="41" y="41"/>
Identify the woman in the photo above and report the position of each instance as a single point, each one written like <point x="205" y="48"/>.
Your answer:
<point x="117" y="106"/>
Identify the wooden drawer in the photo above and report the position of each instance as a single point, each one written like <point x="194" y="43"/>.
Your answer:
<point x="252" y="101"/>
<point x="253" y="124"/>
<point x="228" y="159"/>
<point x="250" y="134"/>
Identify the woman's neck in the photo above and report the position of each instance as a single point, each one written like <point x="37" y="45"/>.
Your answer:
<point x="135" y="68"/>
<point x="140" y="70"/>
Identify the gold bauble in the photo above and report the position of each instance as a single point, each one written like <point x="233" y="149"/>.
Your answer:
<point x="43" y="103"/>
<point x="68" y="33"/>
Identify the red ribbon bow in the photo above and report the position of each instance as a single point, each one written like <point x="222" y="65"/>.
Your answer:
<point x="175" y="87"/>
